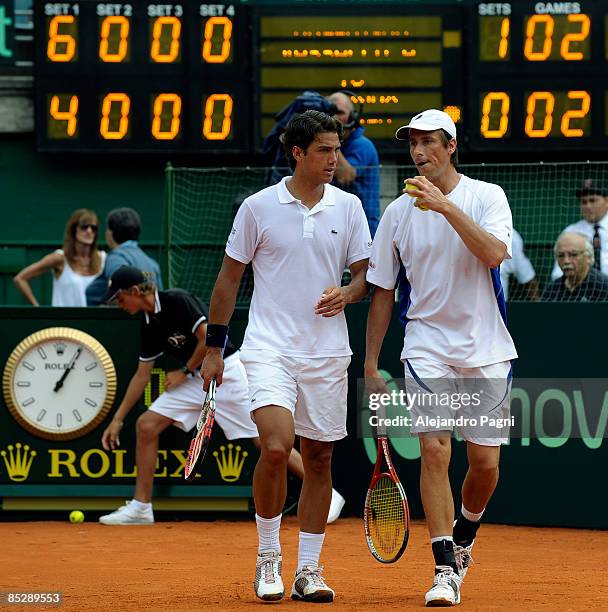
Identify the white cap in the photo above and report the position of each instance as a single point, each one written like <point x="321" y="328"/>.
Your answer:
<point x="428" y="121"/>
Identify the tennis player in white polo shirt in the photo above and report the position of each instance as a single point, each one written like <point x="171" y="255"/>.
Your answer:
<point x="455" y="335"/>
<point x="299" y="236"/>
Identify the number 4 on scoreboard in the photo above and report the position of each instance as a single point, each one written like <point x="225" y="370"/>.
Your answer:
<point x="63" y="110"/>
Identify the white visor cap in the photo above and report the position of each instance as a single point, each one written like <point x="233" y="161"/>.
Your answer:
<point x="428" y="121"/>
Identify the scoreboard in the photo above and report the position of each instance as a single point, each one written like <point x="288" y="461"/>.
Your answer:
<point x="139" y="76"/>
<point x="397" y="64"/>
<point x="191" y="77"/>
<point x="538" y="76"/>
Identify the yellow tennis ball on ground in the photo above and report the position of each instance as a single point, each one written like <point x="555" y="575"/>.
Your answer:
<point x="76" y="516"/>
<point x="410" y="187"/>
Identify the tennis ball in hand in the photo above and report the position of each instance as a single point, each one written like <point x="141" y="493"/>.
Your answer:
<point x="76" y="516"/>
<point x="410" y="187"/>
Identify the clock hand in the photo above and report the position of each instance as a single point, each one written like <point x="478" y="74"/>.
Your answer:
<point x="70" y="367"/>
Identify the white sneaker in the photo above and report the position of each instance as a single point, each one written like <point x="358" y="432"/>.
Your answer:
<point x="309" y="585"/>
<point x="268" y="583"/>
<point x="463" y="558"/>
<point x="128" y="515"/>
<point x="335" y="507"/>
<point x="445" y="590"/>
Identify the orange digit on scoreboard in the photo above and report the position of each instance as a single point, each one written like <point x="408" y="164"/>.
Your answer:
<point x="210" y="108"/>
<point x="109" y="23"/>
<point x="70" y="116"/>
<point x="175" y="103"/>
<point x="174" y="25"/>
<point x="61" y="46"/>
<point x="106" y="129"/>
<point x="210" y="28"/>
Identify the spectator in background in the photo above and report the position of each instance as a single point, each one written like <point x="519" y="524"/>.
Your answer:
<point x="123" y="227"/>
<point x="594" y="224"/>
<point x="580" y="281"/>
<point x="520" y="266"/>
<point x="358" y="168"/>
<point x="74" y="267"/>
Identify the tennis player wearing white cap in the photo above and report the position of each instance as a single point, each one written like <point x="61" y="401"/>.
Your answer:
<point x="451" y="234"/>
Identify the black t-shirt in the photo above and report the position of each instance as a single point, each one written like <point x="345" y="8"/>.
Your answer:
<point x="593" y="289"/>
<point x="172" y="327"/>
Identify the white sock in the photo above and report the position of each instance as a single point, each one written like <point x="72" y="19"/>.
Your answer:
<point x="439" y="538"/>
<point x="268" y="533"/>
<point x="309" y="549"/>
<point x="471" y="516"/>
<point x="140" y="506"/>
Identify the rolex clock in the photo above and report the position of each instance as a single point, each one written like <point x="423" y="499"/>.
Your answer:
<point x="59" y="383"/>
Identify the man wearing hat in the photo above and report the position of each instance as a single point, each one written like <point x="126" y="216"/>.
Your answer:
<point x="593" y="225"/>
<point x="175" y="322"/>
<point x="450" y="234"/>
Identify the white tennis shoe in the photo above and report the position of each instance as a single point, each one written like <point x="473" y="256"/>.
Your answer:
<point x="463" y="558"/>
<point x="446" y="588"/>
<point x="128" y="515"/>
<point x="309" y="585"/>
<point x="268" y="583"/>
<point x="335" y="507"/>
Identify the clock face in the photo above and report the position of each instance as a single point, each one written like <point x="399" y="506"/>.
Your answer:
<point x="59" y="383"/>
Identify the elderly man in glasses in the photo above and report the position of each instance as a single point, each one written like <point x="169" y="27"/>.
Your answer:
<point x="581" y="282"/>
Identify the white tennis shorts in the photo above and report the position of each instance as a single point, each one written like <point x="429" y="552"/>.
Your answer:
<point x="476" y="399"/>
<point x="314" y="390"/>
<point x="183" y="403"/>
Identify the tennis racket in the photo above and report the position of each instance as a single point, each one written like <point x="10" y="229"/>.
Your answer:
<point x="202" y="435"/>
<point x="386" y="516"/>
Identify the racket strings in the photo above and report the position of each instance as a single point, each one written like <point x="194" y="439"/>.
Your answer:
<point x="387" y="520"/>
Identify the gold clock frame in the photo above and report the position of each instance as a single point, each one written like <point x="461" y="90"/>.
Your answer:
<point x="58" y="333"/>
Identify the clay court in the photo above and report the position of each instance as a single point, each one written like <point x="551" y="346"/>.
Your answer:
<point x="209" y="565"/>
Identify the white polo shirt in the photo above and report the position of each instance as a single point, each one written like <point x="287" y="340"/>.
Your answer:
<point x="454" y="315"/>
<point x="519" y="265"/>
<point x="296" y="254"/>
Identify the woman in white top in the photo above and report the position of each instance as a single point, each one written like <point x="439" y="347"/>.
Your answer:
<point x="74" y="267"/>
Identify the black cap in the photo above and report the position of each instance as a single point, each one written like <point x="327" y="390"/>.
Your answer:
<point x="590" y="187"/>
<point x="124" y="278"/>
